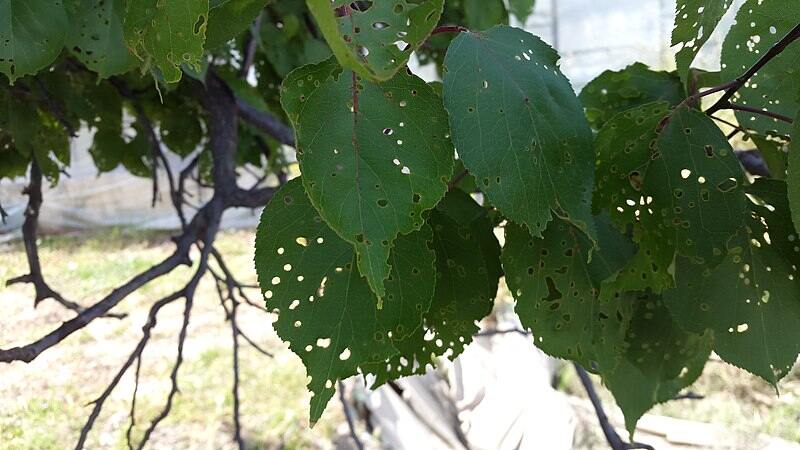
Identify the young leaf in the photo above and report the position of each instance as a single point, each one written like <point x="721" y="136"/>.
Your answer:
<point x="613" y="92"/>
<point x="519" y="128"/>
<point x="659" y="359"/>
<point x="374" y="157"/>
<point x="752" y="300"/>
<point x="326" y="311"/>
<point x="695" y="20"/>
<point x="378" y="41"/>
<point x="522" y="9"/>
<point x="228" y="18"/>
<point x="468" y="270"/>
<point x="96" y="38"/>
<point x="680" y="188"/>
<point x="32" y="35"/>
<point x="759" y="25"/>
<point x="557" y="290"/>
<point x="167" y="33"/>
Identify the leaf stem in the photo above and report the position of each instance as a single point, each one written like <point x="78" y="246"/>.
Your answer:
<point x="449" y="29"/>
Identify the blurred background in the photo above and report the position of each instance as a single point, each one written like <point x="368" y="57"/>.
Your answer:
<point x="99" y="230"/>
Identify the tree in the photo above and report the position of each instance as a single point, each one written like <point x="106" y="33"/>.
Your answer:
<point x="637" y="240"/>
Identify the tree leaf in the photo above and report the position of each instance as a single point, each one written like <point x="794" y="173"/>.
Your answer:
<point x="326" y="311"/>
<point x="373" y="168"/>
<point x="32" y="35"/>
<point x="468" y="271"/>
<point x="680" y="188"/>
<point x="660" y="359"/>
<point x="759" y="25"/>
<point x="695" y="20"/>
<point x="522" y="9"/>
<point x="227" y="19"/>
<point x="752" y="300"/>
<point x="483" y="14"/>
<point x="613" y="92"/>
<point x="519" y="128"/>
<point x="378" y="41"/>
<point x="169" y="33"/>
<point x="96" y="37"/>
<point x="793" y="174"/>
<point x="557" y="289"/>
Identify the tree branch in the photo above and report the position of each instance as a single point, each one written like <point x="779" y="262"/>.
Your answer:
<point x="750" y="109"/>
<point x="266" y="122"/>
<point x="731" y="88"/>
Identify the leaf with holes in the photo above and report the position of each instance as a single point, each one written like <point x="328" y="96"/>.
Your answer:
<point x="519" y="128"/>
<point x="679" y="187"/>
<point x="168" y="34"/>
<point x="468" y="270"/>
<point x="660" y="359"/>
<point x="374" y="157"/>
<point x="32" y="35"/>
<point x="326" y="311"/>
<point x="96" y="38"/>
<point x="752" y="300"/>
<point x="557" y="290"/>
<point x="613" y="92"/>
<point x="759" y="25"/>
<point x="695" y="20"/>
<point x="378" y="40"/>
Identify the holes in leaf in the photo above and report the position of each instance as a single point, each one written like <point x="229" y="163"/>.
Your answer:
<point x="383" y="203"/>
<point x="301" y="241"/>
<point x="388" y="131"/>
<point x="728" y="185"/>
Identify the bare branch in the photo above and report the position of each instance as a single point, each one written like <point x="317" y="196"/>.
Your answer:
<point x="251" y="45"/>
<point x="762" y="112"/>
<point x="3" y="214"/>
<point x="237" y="426"/>
<point x="135" y="354"/>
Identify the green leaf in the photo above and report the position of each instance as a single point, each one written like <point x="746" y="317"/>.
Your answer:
<point x="228" y="18"/>
<point x="793" y="173"/>
<point x="695" y="20"/>
<point x="96" y="37"/>
<point x="371" y="169"/>
<point x="378" y="41"/>
<point x="557" y="289"/>
<point x="483" y="14"/>
<point x="32" y="35"/>
<point x="752" y="300"/>
<point x="519" y="128"/>
<point x="773" y="152"/>
<point x="759" y="25"/>
<point x="468" y="271"/>
<point x="680" y="188"/>
<point x="326" y="311"/>
<point x="522" y="9"/>
<point x="168" y="34"/>
<point x="659" y="359"/>
<point x="614" y="92"/>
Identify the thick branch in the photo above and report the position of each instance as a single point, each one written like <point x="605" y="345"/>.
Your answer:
<point x="735" y="85"/>
<point x="30" y="228"/>
<point x="266" y="122"/>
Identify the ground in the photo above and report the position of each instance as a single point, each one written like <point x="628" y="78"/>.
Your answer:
<point x="43" y="405"/>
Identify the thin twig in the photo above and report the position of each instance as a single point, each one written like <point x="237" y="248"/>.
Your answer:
<point x="237" y="426"/>
<point x="251" y="45"/>
<point x="610" y="433"/>
<point x="449" y="29"/>
<point x="762" y="112"/>
<point x="136" y="373"/>
<point x="348" y="414"/>
<point x="3" y="214"/>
